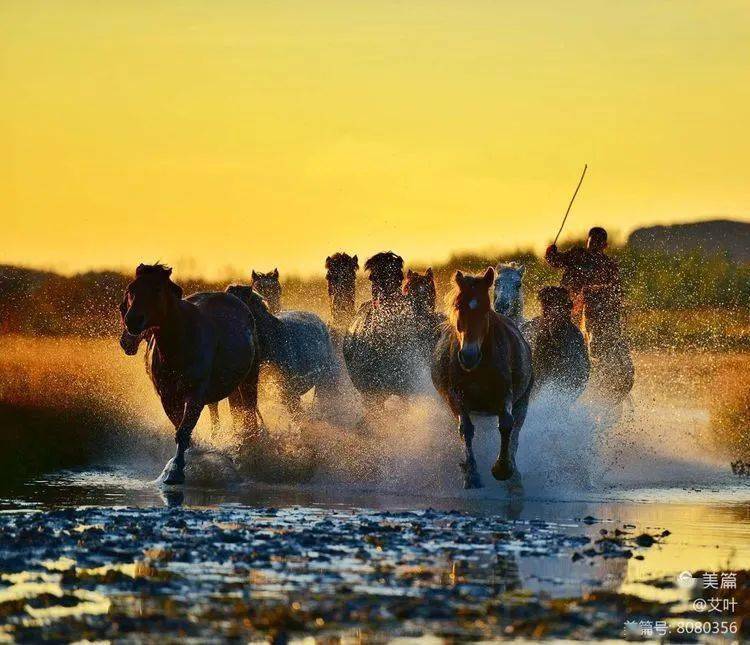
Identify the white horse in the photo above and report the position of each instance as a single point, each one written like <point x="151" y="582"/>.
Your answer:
<point x="508" y="291"/>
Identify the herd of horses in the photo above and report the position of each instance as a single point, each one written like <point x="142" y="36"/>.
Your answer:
<point x="482" y="356"/>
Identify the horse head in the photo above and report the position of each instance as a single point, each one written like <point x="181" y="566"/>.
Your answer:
<point x="419" y="289"/>
<point x="268" y="286"/>
<point x="341" y="275"/>
<point x="146" y="304"/>
<point x="386" y="272"/>
<point x="470" y="315"/>
<point x="508" y="290"/>
<point x="556" y="304"/>
<point x="341" y="271"/>
<point x="252" y="299"/>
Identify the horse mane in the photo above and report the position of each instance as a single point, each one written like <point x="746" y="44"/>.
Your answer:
<point x="159" y="270"/>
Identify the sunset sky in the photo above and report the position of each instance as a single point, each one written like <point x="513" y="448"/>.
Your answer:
<point x="243" y="134"/>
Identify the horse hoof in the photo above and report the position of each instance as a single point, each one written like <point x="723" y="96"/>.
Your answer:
<point x="172" y="475"/>
<point x="175" y="478"/>
<point x="501" y="471"/>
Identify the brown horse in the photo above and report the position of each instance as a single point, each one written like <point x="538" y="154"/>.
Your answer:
<point x="341" y="275"/>
<point x="612" y="369"/>
<point x="202" y="348"/>
<point x="419" y="290"/>
<point x="268" y="286"/>
<point x="482" y="365"/>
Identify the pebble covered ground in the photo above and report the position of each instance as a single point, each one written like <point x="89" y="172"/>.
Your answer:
<point x="233" y="571"/>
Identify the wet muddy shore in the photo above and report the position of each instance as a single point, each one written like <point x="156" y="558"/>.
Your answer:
<point x="233" y="571"/>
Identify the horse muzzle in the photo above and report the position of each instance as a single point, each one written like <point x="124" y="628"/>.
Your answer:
<point x="130" y="342"/>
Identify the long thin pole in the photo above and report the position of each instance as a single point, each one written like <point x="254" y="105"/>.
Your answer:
<point x="572" y="199"/>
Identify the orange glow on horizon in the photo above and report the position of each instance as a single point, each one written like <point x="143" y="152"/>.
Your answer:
<point x="238" y="134"/>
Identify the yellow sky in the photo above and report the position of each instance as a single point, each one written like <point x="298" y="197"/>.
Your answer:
<point x="270" y="133"/>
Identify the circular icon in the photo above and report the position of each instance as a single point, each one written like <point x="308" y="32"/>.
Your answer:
<point x="685" y="580"/>
<point x="699" y="604"/>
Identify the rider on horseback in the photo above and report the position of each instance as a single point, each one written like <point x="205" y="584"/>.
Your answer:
<point x="587" y="268"/>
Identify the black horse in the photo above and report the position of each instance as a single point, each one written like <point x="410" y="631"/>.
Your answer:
<point x="421" y="294"/>
<point x="381" y="347"/>
<point x="201" y="349"/>
<point x="558" y="350"/>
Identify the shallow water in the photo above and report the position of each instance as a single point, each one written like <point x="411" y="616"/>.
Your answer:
<point x="91" y="551"/>
<point x="332" y="532"/>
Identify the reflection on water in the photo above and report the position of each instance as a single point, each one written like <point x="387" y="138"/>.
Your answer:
<point x="253" y="559"/>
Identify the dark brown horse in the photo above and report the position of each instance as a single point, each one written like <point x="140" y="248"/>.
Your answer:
<point x="202" y="348"/>
<point x="421" y="294"/>
<point x="341" y="275"/>
<point x="268" y="286"/>
<point x="612" y="369"/>
<point x="482" y="365"/>
<point x="381" y="346"/>
<point x="558" y="350"/>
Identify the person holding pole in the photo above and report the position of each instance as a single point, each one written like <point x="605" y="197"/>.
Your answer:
<point x="588" y="267"/>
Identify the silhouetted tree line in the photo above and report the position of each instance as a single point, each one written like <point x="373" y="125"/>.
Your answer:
<point x="46" y="303"/>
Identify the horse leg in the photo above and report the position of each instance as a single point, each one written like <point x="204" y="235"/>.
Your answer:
<point x="246" y="403"/>
<point x="502" y="470"/>
<point x="469" y="466"/>
<point x="515" y="484"/>
<point x="213" y="410"/>
<point x="371" y="402"/>
<point x="174" y="472"/>
<point x="293" y="403"/>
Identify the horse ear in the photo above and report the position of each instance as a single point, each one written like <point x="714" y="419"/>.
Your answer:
<point x="429" y="272"/>
<point x="328" y="262"/>
<point x="489" y="276"/>
<point x="275" y="273"/>
<point x="254" y="275"/>
<point x="409" y="273"/>
<point x="458" y="277"/>
<point x="355" y="260"/>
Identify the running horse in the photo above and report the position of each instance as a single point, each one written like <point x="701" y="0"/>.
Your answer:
<point x="201" y="349"/>
<point x="612" y="369"/>
<point x="421" y="294"/>
<point x="482" y="365"/>
<point x="296" y="344"/>
<point x="381" y="347"/>
<point x="508" y="291"/>
<point x="558" y="350"/>
<point x="341" y="275"/>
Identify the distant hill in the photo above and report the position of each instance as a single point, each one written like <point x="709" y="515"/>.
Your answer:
<point x="715" y="237"/>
